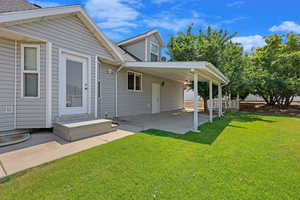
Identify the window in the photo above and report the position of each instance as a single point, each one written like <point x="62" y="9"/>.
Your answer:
<point x="154" y="52"/>
<point x="30" y="70"/>
<point x="134" y="81"/>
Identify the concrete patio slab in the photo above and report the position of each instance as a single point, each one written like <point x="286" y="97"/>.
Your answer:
<point x="179" y="121"/>
<point x="35" y="155"/>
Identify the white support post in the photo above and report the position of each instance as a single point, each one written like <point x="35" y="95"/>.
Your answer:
<point x="49" y="85"/>
<point x="220" y="100"/>
<point x="210" y="102"/>
<point x="196" y="102"/>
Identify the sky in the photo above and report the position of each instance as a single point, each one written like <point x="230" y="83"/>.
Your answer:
<point x="251" y="19"/>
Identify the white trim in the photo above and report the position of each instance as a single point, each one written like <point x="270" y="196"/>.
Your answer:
<point x="210" y="101"/>
<point x="196" y="122"/>
<point x="96" y="87"/>
<point x="134" y="81"/>
<point x="158" y="108"/>
<point x="146" y="49"/>
<point x="49" y="84"/>
<point x="62" y="110"/>
<point x="46" y="12"/>
<point x="116" y="90"/>
<point x="35" y="13"/>
<point x="202" y="66"/>
<point x="142" y="36"/>
<point x="220" y="100"/>
<point x="15" y="85"/>
<point x="218" y="72"/>
<point x="89" y="71"/>
<point x="37" y="71"/>
<point x="175" y="65"/>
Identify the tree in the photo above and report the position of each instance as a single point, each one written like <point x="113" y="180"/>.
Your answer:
<point x="275" y="70"/>
<point x="212" y="46"/>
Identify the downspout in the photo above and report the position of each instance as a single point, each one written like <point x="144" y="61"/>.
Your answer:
<point x="15" y="99"/>
<point x="116" y="90"/>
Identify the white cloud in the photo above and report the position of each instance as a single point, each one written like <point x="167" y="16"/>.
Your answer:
<point x="249" y="42"/>
<point x="113" y="13"/>
<point x="172" y="22"/>
<point x="288" y="26"/>
<point x="46" y="4"/>
<point x="236" y="4"/>
<point x="113" y="35"/>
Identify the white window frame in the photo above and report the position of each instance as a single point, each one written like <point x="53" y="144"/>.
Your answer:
<point x="37" y="71"/>
<point x="155" y="53"/>
<point x="134" y="81"/>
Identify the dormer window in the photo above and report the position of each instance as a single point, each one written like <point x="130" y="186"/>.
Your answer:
<point x="154" y="52"/>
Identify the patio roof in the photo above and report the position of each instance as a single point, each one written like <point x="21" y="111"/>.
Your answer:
<point x="180" y="71"/>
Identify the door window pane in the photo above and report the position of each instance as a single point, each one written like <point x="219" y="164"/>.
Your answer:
<point x="130" y="81"/>
<point x="30" y="58"/>
<point x="74" y="84"/>
<point x="30" y="85"/>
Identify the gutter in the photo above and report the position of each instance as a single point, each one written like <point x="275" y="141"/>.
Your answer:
<point x="15" y="99"/>
<point x="116" y="90"/>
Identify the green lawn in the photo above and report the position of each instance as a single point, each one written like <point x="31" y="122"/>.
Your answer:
<point x="242" y="156"/>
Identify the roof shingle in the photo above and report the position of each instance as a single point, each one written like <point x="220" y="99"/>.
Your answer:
<point x="16" y="5"/>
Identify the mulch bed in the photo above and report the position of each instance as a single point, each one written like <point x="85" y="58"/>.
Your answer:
<point x="260" y="107"/>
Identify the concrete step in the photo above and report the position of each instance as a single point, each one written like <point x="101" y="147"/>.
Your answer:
<point x="72" y="131"/>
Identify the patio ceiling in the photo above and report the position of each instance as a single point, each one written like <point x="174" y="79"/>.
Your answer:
<point x="180" y="71"/>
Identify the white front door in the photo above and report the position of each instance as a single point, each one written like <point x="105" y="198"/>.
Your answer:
<point x="73" y="84"/>
<point x="155" y="98"/>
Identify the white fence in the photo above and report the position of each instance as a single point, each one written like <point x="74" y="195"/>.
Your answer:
<point x="227" y="105"/>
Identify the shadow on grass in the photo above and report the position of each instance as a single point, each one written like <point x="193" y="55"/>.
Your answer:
<point x="210" y="131"/>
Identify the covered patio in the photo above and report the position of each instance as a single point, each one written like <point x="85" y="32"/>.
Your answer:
<point x="182" y="72"/>
<point x="178" y="121"/>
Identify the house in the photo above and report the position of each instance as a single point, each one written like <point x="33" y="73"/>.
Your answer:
<point x="57" y="65"/>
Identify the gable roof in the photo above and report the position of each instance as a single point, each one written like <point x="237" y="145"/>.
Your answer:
<point x="16" y="5"/>
<point x="126" y="55"/>
<point x="10" y="17"/>
<point x="141" y="37"/>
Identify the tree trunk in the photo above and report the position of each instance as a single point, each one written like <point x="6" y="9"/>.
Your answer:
<point x="288" y="101"/>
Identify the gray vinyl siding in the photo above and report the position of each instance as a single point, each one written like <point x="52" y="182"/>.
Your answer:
<point x="133" y="103"/>
<point x="7" y="86"/>
<point x="172" y="96"/>
<point x="107" y="91"/>
<point x="137" y="49"/>
<point x="31" y="112"/>
<point x="66" y="32"/>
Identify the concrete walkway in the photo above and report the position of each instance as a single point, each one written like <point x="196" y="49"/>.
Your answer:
<point x="24" y="158"/>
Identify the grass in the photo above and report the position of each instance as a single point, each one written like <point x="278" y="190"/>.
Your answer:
<point x="241" y="156"/>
